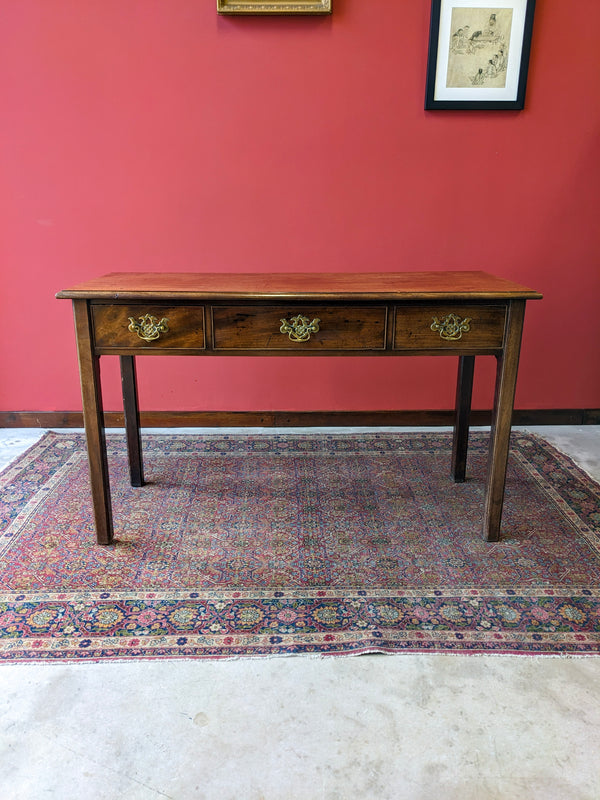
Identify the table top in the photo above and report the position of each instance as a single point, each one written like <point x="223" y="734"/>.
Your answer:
<point x="315" y="285"/>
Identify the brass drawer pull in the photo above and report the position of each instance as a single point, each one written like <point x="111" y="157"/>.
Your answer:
<point x="299" y="328"/>
<point x="148" y="328"/>
<point x="451" y="327"/>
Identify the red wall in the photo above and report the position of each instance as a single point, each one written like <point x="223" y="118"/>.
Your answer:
<point x="155" y="135"/>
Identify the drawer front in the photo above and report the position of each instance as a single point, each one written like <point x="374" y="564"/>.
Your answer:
<point x="299" y="328"/>
<point x="151" y="326"/>
<point x="449" y="327"/>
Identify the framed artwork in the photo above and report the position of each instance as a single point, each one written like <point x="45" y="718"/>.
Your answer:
<point x="478" y="54"/>
<point x="274" y="6"/>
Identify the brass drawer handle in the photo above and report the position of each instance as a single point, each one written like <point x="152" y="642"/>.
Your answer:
<point x="148" y="328"/>
<point x="451" y="327"/>
<point x="299" y="328"/>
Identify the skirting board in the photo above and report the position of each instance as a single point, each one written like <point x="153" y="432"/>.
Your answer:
<point x="296" y="419"/>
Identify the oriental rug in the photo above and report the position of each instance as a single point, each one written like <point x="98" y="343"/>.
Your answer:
<point x="262" y="545"/>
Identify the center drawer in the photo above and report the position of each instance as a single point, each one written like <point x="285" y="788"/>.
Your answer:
<point x="299" y="327"/>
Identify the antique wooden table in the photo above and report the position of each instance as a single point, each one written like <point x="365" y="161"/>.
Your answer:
<point x="462" y="314"/>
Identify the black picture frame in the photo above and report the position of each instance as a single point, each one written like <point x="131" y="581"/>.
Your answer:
<point x="479" y="66"/>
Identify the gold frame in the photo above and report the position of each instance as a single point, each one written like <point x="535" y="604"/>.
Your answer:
<point x="274" y="6"/>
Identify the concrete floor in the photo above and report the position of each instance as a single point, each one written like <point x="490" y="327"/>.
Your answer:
<point x="445" y="727"/>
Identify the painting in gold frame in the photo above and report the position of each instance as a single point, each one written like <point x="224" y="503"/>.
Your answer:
<point x="274" y="6"/>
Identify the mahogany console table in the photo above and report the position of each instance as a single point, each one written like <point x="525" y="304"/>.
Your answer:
<point x="462" y="314"/>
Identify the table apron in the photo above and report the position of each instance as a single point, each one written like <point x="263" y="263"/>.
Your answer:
<point x="298" y="328"/>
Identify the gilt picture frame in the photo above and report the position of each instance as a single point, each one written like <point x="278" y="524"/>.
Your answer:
<point x="478" y="54"/>
<point x="274" y="6"/>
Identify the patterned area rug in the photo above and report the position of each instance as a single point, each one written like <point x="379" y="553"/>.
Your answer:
<point x="256" y="545"/>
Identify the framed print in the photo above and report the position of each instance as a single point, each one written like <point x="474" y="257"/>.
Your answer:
<point x="478" y="54"/>
<point x="274" y="6"/>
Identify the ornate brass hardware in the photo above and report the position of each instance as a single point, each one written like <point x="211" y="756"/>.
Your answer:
<point x="299" y="328"/>
<point x="451" y="327"/>
<point x="148" y="328"/>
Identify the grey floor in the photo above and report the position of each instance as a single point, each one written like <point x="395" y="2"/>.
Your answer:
<point x="445" y="727"/>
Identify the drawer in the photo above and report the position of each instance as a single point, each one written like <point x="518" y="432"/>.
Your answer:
<point x="152" y="326"/>
<point x="449" y="327"/>
<point x="299" y="328"/>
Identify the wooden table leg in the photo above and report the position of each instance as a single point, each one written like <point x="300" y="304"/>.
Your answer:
<point x="93" y="418"/>
<point x="464" y="392"/>
<point x="132" y="420"/>
<point x="506" y="379"/>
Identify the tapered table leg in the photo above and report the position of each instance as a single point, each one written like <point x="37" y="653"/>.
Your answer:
<point x="506" y="379"/>
<point x="462" y="413"/>
<point x="93" y="417"/>
<point x="132" y="420"/>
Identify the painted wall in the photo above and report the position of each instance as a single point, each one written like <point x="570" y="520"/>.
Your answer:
<point x="155" y="135"/>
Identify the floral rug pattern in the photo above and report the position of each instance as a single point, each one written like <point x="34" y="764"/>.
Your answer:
<point x="255" y="545"/>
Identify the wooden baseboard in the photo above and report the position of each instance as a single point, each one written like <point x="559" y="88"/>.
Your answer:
<point x="296" y="419"/>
